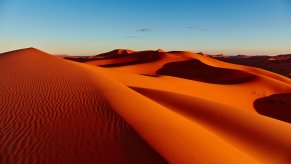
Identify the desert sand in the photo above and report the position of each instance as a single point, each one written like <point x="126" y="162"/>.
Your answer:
<point x="280" y="64"/>
<point x="129" y="106"/>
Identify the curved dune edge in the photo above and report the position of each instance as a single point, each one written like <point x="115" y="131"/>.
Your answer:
<point x="139" y="62"/>
<point x="192" y="129"/>
<point x="150" y="68"/>
<point x="260" y="136"/>
<point x="175" y="137"/>
<point x="198" y="71"/>
<point x="174" y="131"/>
<point x="241" y="96"/>
<point x="221" y="64"/>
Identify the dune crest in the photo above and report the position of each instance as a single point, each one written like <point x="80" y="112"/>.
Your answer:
<point x="140" y="107"/>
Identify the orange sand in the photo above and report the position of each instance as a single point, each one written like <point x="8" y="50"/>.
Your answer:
<point x="142" y="107"/>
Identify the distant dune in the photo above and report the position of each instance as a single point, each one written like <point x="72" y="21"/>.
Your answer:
<point x="280" y="64"/>
<point x="129" y="106"/>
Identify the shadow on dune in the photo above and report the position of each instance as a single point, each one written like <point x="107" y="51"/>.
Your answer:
<point x="198" y="71"/>
<point x="136" y="58"/>
<point x="216" y="116"/>
<point x="276" y="106"/>
<point x="117" y="60"/>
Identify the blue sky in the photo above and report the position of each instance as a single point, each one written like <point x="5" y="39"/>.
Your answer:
<point x="79" y="27"/>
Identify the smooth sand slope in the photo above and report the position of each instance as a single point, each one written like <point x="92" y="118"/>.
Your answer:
<point x="141" y="107"/>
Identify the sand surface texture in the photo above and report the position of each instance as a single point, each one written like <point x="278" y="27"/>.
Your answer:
<point x="141" y="107"/>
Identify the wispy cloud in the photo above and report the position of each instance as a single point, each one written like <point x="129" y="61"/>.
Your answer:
<point x="198" y="28"/>
<point x="191" y="27"/>
<point x="144" y="30"/>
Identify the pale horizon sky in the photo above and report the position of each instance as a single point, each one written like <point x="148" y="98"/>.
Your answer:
<point x="78" y="27"/>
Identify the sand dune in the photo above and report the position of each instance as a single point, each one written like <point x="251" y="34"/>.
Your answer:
<point x="53" y="112"/>
<point x="198" y="71"/>
<point x="216" y="63"/>
<point x="141" y="107"/>
<point x="253" y="136"/>
<point x="144" y="62"/>
<point x="280" y="64"/>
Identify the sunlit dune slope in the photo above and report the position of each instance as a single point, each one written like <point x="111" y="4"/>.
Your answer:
<point x="200" y="76"/>
<point x="53" y="111"/>
<point x="247" y="131"/>
<point x="203" y="78"/>
<point x="141" y="107"/>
